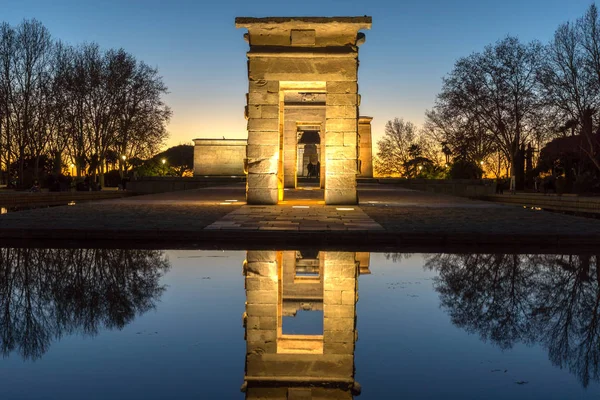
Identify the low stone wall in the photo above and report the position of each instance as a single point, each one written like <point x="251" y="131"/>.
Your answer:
<point x="569" y="203"/>
<point x="25" y="199"/>
<point x="149" y="185"/>
<point x="473" y="188"/>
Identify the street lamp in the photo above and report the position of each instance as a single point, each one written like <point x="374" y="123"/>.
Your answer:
<point x="122" y="168"/>
<point x="163" y="161"/>
<point x="72" y="167"/>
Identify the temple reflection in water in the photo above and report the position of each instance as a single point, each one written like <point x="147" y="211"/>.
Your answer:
<point x="284" y="363"/>
<point x="538" y="313"/>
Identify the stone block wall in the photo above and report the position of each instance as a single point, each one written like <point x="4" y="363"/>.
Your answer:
<point x="263" y="152"/>
<point x="341" y="139"/>
<point x="219" y="157"/>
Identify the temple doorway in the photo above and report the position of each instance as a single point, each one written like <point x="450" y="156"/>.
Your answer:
<point x="308" y="167"/>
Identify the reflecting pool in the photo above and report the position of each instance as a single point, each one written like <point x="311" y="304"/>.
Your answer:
<point x="192" y="324"/>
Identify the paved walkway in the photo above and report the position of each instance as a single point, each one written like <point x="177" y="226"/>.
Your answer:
<point x="387" y="218"/>
<point x="313" y="217"/>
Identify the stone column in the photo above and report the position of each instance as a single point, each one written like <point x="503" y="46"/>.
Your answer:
<point x="261" y="271"/>
<point x="341" y="141"/>
<point x="290" y="147"/>
<point x="263" y="151"/>
<point x="366" y="149"/>
<point x="339" y="306"/>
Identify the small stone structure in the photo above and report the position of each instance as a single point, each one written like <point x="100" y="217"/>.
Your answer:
<point x="365" y="156"/>
<point x="219" y="157"/>
<point x="302" y="74"/>
<point x="280" y="365"/>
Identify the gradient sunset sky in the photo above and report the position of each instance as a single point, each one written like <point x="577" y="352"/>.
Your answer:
<point x="201" y="55"/>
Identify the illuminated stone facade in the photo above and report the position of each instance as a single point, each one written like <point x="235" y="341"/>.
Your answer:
<point x="219" y="157"/>
<point x="280" y="365"/>
<point x="225" y="157"/>
<point x="303" y="63"/>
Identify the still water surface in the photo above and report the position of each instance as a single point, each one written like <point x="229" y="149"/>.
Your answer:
<point x="147" y="324"/>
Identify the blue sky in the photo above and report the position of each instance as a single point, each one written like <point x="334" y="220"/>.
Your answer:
<point x="201" y="55"/>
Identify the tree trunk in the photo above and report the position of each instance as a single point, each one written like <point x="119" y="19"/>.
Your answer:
<point x="36" y="168"/>
<point x="101" y="173"/>
<point x="7" y="147"/>
<point x="21" y="166"/>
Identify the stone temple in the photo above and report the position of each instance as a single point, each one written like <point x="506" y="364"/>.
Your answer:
<point x="302" y="107"/>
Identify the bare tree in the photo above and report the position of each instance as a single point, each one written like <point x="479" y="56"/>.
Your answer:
<point x="569" y="83"/>
<point x="7" y="49"/>
<point x="491" y="99"/>
<point x="32" y="41"/>
<point x="141" y="122"/>
<point x="393" y="148"/>
<point x="589" y="30"/>
<point x="95" y="104"/>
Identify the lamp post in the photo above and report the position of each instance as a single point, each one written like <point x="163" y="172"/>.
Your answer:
<point x="72" y="167"/>
<point x="163" y="161"/>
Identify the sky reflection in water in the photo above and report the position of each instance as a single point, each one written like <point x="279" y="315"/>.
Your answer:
<point x="146" y="324"/>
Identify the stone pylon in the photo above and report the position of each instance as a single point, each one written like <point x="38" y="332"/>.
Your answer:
<point x="310" y="57"/>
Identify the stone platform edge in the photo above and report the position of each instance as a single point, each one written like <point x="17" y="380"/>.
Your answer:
<point x="324" y="240"/>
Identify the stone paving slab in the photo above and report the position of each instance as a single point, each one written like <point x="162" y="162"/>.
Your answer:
<point x="316" y="217"/>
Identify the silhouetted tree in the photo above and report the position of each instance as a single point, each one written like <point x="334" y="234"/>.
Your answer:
<point x="553" y="300"/>
<point x="83" y="100"/>
<point x="393" y="148"/>
<point x="490" y="100"/>
<point x="47" y="293"/>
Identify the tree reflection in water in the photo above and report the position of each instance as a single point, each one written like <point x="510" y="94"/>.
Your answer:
<point x="553" y="300"/>
<point x="47" y="293"/>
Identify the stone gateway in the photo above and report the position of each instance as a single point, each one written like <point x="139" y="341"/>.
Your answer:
<point x="303" y="100"/>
